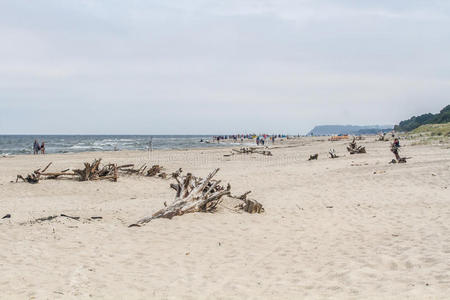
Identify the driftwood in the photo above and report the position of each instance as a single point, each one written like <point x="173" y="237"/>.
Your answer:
<point x="332" y="153"/>
<point x="55" y="175"/>
<point x="33" y="177"/>
<point x="195" y="194"/>
<point x="353" y="148"/>
<point x="155" y="170"/>
<point x="53" y="217"/>
<point x="93" y="172"/>
<point x="314" y="156"/>
<point x="70" y="217"/>
<point x="90" y="172"/>
<point x="39" y="220"/>
<point x="396" y="149"/>
<point x="130" y="170"/>
<point x="382" y="137"/>
<point x="250" y="205"/>
<point x="249" y="150"/>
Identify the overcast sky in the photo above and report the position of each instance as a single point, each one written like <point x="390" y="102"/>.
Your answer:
<point x="210" y="66"/>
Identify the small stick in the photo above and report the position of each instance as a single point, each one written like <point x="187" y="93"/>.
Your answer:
<point x="46" y="218"/>
<point x="70" y="217"/>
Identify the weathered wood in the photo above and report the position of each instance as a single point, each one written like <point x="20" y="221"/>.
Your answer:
<point x="249" y="150"/>
<point x="193" y="195"/>
<point x="154" y="170"/>
<point x="353" y="148"/>
<point x="333" y="154"/>
<point x="90" y="172"/>
<point x="116" y="174"/>
<point x="45" y="169"/>
<point x="30" y="178"/>
<point x="70" y="217"/>
<point x="314" y="156"/>
<point x="250" y="205"/>
<point x="125" y="166"/>
<point x="58" y="174"/>
<point x="46" y="218"/>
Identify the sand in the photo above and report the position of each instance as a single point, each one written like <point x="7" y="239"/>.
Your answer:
<point x="353" y="227"/>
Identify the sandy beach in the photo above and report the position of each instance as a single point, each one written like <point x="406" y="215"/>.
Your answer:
<point x="347" y="228"/>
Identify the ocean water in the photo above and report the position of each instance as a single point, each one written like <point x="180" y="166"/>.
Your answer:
<point x="23" y="144"/>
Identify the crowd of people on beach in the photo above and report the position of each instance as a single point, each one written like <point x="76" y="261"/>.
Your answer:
<point x="260" y="139"/>
<point x="38" y="147"/>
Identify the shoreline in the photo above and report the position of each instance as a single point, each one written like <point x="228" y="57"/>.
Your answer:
<point x="221" y="145"/>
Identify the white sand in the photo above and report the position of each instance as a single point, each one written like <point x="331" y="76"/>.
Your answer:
<point x="383" y="235"/>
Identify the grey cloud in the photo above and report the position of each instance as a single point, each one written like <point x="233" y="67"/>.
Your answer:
<point x="171" y="66"/>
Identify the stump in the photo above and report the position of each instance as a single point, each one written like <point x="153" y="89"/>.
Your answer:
<point x="314" y="156"/>
<point x="396" y="150"/>
<point x="353" y="148"/>
<point x="332" y="153"/>
<point x="251" y="206"/>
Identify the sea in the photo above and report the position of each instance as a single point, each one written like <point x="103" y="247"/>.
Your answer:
<point x="23" y="144"/>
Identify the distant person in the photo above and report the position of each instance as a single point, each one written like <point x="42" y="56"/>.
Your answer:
<point x="397" y="143"/>
<point x="36" y="147"/>
<point x="42" y="148"/>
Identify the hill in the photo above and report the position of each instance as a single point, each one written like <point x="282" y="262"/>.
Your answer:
<point x="349" y="129"/>
<point x="434" y="129"/>
<point x="414" y="122"/>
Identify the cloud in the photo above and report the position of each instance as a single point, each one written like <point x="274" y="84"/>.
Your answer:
<point x="174" y="66"/>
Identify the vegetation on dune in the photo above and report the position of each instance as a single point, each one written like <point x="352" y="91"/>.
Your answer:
<point x="430" y="134"/>
<point x="434" y="129"/>
<point x="408" y="125"/>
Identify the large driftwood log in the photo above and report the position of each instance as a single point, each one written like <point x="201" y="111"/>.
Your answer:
<point x="353" y="148"/>
<point x="193" y="195"/>
<point x="90" y="172"/>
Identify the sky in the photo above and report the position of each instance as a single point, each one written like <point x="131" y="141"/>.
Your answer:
<point x="219" y="67"/>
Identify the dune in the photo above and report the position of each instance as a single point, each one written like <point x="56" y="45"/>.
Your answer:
<point x="346" y="228"/>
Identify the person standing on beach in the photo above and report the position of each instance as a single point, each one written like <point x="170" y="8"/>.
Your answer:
<point x="42" y="148"/>
<point x="36" y="147"/>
